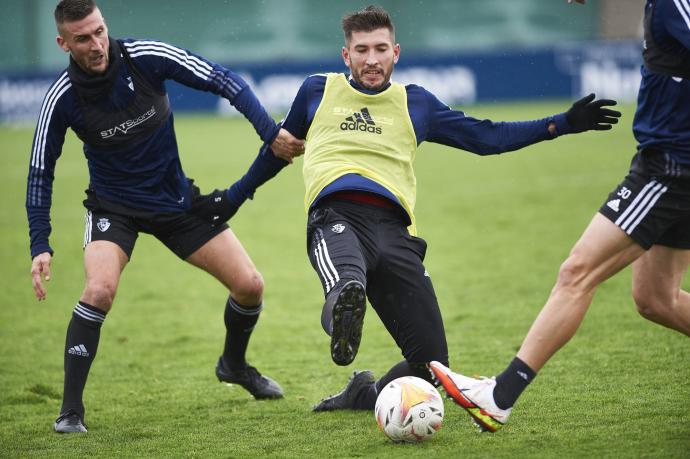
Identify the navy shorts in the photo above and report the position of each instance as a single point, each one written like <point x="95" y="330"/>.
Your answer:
<point x="350" y="240"/>
<point x="652" y="204"/>
<point x="183" y="233"/>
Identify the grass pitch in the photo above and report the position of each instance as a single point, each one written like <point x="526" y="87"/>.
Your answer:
<point x="498" y="227"/>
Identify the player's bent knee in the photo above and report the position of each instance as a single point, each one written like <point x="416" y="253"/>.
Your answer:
<point x="100" y="295"/>
<point x="250" y="289"/>
<point x="649" y="305"/>
<point x="572" y="272"/>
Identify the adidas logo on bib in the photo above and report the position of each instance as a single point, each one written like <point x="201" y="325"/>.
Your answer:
<point x="360" y="122"/>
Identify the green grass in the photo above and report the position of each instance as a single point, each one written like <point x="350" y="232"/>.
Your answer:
<point x="497" y="228"/>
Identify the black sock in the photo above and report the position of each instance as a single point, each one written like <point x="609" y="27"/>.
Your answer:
<point x="239" y="323"/>
<point x="511" y="383"/>
<point x="81" y="344"/>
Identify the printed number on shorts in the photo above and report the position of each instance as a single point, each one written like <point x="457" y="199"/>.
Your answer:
<point x="624" y="193"/>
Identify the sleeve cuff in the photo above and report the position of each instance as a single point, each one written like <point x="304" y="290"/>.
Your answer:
<point x="561" y="123"/>
<point x="39" y="249"/>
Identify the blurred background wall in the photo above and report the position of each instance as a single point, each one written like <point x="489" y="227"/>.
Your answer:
<point x="494" y="49"/>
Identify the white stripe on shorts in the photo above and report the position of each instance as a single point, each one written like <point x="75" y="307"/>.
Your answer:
<point x="88" y="224"/>
<point x="640" y="206"/>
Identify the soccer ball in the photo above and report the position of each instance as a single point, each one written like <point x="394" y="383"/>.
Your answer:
<point x="409" y="409"/>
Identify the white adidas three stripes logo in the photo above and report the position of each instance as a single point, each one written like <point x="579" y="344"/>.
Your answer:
<point x="640" y="206"/>
<point x="325" y="265"/>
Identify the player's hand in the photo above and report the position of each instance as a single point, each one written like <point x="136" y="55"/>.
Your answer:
<point x="588" y="114"/>
<point x="286" y="146"/>
<point x="215" y="207"/>
<point x="40" y="270"/>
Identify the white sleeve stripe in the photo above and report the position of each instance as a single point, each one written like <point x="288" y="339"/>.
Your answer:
<point x="231" y="86"/>
<point x="172" y="58"/>
<point x="196" y="63"/>
<point x="40" y="160"/>
<point x="134" y="46"/>
<point x="233" y="83"/>
<point x="38" y="153"/>
<point x="180" y="57"/>
<point x="180" y="53"/>
<point x="46" y="111"/>
<point x="684" y="10"/>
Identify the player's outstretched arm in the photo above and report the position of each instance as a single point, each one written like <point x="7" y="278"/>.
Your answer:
<point x="588" y="114"/>
<point x="221" y="205"/>
<point x="40" y="270"/>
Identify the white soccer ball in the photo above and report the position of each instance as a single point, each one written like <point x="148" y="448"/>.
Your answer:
<point x="409" y="409"/>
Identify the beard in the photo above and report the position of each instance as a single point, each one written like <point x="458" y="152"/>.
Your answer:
<point x="359" y="78"/>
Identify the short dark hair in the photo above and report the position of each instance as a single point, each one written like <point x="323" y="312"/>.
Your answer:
<point x="367" y="20"/>
<point x="73" y="10"/>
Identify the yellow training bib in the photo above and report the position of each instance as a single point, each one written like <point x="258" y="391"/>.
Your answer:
<point x="357" y="133"/>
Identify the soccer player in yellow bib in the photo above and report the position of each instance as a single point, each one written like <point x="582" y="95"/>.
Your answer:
<point x="362" y="132"/>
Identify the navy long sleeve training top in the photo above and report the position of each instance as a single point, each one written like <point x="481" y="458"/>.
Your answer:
<point x="146" y="174"/>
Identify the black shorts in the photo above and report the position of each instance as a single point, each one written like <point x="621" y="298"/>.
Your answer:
<point x="348" y="240"/>
<point x="183" y="233"/>
<point x="652" y="204"/>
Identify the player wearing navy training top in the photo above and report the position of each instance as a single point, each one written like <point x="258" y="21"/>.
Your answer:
<point x="644" y="221"/>
<point x="113" y="97"/>
<point x="362" y="133"/>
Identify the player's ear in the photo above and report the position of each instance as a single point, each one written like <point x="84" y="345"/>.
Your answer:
<point x="396" y="53"/>
<point x="346" y="56"/>
<point x="62" y="43"/>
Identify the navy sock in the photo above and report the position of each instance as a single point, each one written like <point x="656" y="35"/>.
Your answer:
<point x="81" y="344"/>
<point x="511" y="383"/>
<point x="239" y="323"/>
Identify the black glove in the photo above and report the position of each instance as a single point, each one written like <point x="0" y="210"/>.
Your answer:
<point x="215" y="207"/>
<point x="586" y="115"/>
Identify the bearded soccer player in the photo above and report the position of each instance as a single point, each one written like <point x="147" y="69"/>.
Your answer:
<point x="362" y="131"/>
<point x="645" y="222"/>
<point x="113" y="97"/>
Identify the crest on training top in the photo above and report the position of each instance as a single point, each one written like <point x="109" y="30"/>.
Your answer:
<point x="103" y="224"/>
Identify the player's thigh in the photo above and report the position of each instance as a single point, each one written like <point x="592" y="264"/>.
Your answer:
<point x="402" y="294"/>
<point x="334" y="249"/>
<point x="109" y="240"/>
<point x="224" y="257"/>
<point x="659" y="272"/>
<point x="602" y="251"/>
